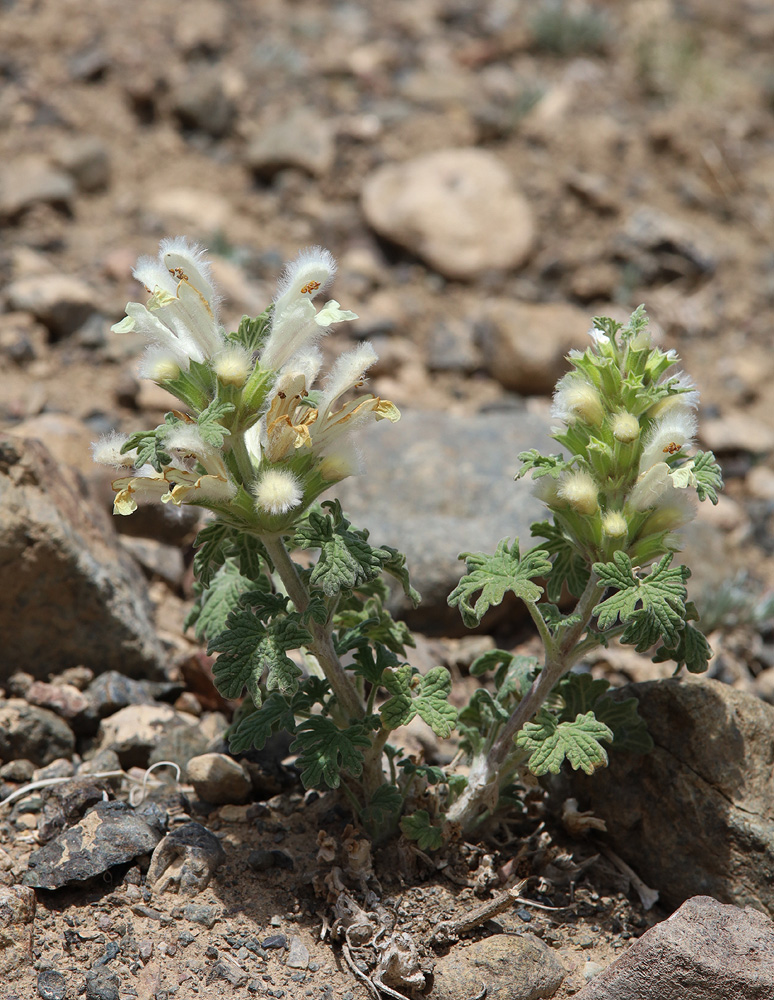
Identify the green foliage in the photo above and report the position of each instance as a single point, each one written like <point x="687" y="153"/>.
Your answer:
<point x="419" y="827"/>
<point x="492" y="577"/>
<point x="413" y="695"/>
<point x="568" y="565"/>
<point x="346" y="559"/>
<point x="151" y="445"/>
<point x="325" y="751"/>
<point x="213" y="604"/>
<point x="277" y="712"/>
<point x="385" y="804"/>
<point x="210" y="426"/>
<point x="580" y="694"/>
<point x="249" y="647"/>
<point x="217" y="542"/>
<point x="549" y="743"/>
<point x="541" y="465"/>
<point x="691" y="650"/>
<point x="709" y="476"/>
<point x="651" y="606"/>
<point x="252" y="334"/>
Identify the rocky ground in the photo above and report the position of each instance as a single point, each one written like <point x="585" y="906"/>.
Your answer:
<point x="489" y="176"/>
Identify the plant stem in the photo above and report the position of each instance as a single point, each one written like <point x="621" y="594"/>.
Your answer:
<point x="561" y="654"/>
<point x="242" y="456"/>
<point x="322" y="643"/>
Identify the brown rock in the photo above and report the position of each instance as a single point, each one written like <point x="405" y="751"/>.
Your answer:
<point x="518" y="965"/>
<point x="61" y="302"/>
<point x="457" y="209"/>
<point x="705" y="951"/>
<point x="134" y="731"/>
<point x="70" y="595"/>
<point x="219" y="779"/>
<point x="696" y="814"/>
<point x="17" y="916"/>
<point x="525" y="344"/>
<point x="32" y="180"/>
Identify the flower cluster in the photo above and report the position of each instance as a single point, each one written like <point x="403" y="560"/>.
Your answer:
<point x="629" y="420"/>
<point x="260" y="442"/>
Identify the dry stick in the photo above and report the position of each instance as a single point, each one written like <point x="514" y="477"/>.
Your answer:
<point x="449" y="930"/>
<point x="648" y="896"/>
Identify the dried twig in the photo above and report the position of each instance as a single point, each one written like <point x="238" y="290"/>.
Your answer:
<point x="648" y="896"/>
<point x="450" y="930"/>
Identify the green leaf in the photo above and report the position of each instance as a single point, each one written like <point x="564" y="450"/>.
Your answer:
<point x="550" y="742"/>
<point x="396" y="567"/>
<point x="151" y="445"/>
<point x="385" y="804"/>
<point x="496" y="575"/>
<point x="691" y="650"/>
<point x="541" y="465"/>
<point x="216" y="602"/>
<point x="568" y="566"/>
<point x="649" y="605"/>
<point x="255" y="729"/>
<point x="709" y="476"/>
<point x="582" y="693"/>
<point x="346" y="559"/>
<point x="213" y="545"/>
<point x="210" y="426"/>
<point x="325" y="751"/>
<point x="252" y="334"/>
<point x="432" y="775"/>
<point x="413" y="695"/>
<point x="419" y="828"/>
<point x="248" y="647"/>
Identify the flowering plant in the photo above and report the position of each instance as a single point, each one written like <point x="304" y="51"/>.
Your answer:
<point x="258" y="444"/>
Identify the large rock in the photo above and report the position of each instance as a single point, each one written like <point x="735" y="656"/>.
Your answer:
<point x="518" y="965"/>
<point x="70" y="594"/>
<point x="696" y="815"/>
<point x="61" y="302"/>
<point x="301" y="139"/>
<point x="17" y="918"/>
<point x="134" y="732"/>
<point x="705" y="951"/>
<point x="31" y="180"/>
<point x="525" y="344"/>
<point x="437" y="485"/>
<point x="31" y="733"/>
<point x="457" y="209"/>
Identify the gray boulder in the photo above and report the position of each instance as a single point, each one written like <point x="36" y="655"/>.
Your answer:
<point x="696" y="815"/>
<point x="705" y="951"/>
<point x="437" y="485"/>
<point x="71" y="595"/>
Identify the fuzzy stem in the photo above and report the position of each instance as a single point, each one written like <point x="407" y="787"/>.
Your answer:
<point x="322" y="643"/>
<point x="486" y="770"/>
<point x="242" y="456"/>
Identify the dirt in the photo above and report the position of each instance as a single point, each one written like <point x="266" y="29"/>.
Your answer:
<point x="657" y="106"/>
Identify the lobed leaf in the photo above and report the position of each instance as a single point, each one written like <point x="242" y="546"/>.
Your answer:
<point x="550" y="742"/>
<point x="493" y="576"/>
<point x="418" y="827"/>
<point x="325" y="751"/>
<point x="651" y="606"/>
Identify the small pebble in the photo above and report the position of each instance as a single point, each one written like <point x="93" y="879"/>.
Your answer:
<point x="51" y="985"/>
<point x="275" y="941"/>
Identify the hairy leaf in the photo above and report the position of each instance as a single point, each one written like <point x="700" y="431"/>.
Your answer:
<point x="248" y="647"/>
<point x="255" y="729"/>
<point x="568" y="566"/>
<point x="419" y="828"/>
<point x="709" y="476"/>
<point x="493" y="576"/>
<point x="541" y="465"/>
<point x="252" y="334"/>
<point x="649" y="605"/>
<point x="691" y="650"/>
<point x="413" y="695"/>
<point x="383" y="808"/>
<point x="550" y="742"/>
<point x="213" y="545"/>
<point x="346" y="559"/>
<point x="214" y="604"/>
<point x="325" y="751"/>
<point x="210" y="426"/>
<point x="582" y="693"/>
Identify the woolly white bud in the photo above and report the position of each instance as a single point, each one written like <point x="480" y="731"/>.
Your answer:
<point x="614" y="524"/>
<point x="277" y="491"/>
<point x="107" y="451"/>
<point x="233" y="365"/>
<point x="576" y="399"/>
<point x="625" y="426"/>
<point x="580" y="491"/>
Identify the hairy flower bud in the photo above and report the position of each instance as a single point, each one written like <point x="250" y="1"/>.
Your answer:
<point x="614" y="524"/>
<point x="625" y="426"/>
<point x="233" y="365"/>
<point x="576" y="399"/>
<point x="580" y="491"/>
<point x="277" y="491"/>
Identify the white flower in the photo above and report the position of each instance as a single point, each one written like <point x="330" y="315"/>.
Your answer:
<point x="277" y="491"/>
<point x="181" y="314"/>
<point x="296" y="324"/>
<point x="233" y="365"/>
<point x="667" y="436"/>
<point x="107" y="451"/>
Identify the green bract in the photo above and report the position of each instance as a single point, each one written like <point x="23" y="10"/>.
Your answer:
<point x="308" y="642"/>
